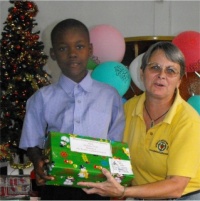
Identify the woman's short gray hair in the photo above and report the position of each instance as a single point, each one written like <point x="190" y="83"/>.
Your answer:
<point x="172" y="52"/>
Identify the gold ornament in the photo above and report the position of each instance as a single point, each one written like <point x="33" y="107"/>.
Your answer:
<point x="4" y="152"/>
<point x="19" y="166"/>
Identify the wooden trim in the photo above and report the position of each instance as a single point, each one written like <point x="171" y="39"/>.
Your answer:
<point x="148" y="38"/>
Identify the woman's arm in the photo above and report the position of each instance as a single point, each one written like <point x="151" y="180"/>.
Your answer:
<point x="171" y="187"/>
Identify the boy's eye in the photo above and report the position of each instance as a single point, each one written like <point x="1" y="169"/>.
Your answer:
<point x="62" y="49"/>
<point x="80" y="46"/>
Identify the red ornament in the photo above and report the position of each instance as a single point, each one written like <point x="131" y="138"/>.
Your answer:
<point x="189" y="43"/>
<point x="9" y="18"/>
<point x="29" y="5"/>
<point x="36" y="37"/>
<point x="22" y="17"/>
<point x="7" y="114"/>
<point x="4" y="42"/>
<point x="14" y="10"/>
<point x="18" y="47"/>
<point x="15" y="93"/>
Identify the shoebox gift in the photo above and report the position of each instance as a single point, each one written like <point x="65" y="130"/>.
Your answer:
<point x="74" y="158"/>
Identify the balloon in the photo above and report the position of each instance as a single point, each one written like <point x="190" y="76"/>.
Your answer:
<point x="113" y="73"/>
<point x="134" y="69"/>
<point x="194" y="101"/>
<point x="108" y="43"/>
<point x="189" y="43"/>
<point x="92" y="63"/>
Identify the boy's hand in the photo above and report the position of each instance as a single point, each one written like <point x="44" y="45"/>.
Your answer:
<point x="40" y="172"/>
<point x="40" y="165"/>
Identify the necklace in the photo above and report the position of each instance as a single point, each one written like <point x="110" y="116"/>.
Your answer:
<point x="153" y="120"/>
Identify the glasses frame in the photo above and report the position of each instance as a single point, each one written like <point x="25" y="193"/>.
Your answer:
<point x="161" y="69"/>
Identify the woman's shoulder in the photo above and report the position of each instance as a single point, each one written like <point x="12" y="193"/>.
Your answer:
<point x="185" y="109"/>
<point x="132" y="101"/>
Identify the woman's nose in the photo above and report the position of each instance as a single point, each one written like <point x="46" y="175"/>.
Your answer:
<point x="162" y="73"/>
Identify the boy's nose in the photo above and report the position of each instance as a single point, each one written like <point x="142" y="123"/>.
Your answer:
<point x="72" y="52"/>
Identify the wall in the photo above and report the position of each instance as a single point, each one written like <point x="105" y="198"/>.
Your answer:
<point x="131" y="18"/>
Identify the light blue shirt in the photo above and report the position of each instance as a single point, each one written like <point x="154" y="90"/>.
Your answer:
<point x="88" y="108"/>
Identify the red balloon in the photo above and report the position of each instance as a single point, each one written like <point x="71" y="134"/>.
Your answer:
<point x="189" y="43"/>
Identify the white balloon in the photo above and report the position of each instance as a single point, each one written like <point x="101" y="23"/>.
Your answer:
<point x="134" y="70"/>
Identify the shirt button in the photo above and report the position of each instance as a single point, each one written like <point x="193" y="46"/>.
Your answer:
<point x="77" y="121"/>
<point x="151" y="133"/>
<point x="79" y="101"/>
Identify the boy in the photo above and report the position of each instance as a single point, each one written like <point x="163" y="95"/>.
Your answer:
<point x="75" y="104"/>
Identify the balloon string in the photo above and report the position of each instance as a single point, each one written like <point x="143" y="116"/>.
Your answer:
<point x="132" y="89"/>
<point x="197" y="74"/>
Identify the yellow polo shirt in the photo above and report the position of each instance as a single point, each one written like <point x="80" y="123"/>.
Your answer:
<point x="171" y="147"/>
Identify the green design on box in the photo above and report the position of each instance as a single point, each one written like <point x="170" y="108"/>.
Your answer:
<point x="75" y="158"/>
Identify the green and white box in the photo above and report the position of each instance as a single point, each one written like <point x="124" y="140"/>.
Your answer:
<point x="75" y="158"/>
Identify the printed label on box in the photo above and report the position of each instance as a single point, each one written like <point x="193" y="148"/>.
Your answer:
<point x="90" y="147"/>
<point x="120" y="166"/>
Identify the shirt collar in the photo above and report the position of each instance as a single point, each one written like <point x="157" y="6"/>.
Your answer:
<point x="138" y="110"/>
<point x="68" y="85"/>
<point x="172" y="112"/>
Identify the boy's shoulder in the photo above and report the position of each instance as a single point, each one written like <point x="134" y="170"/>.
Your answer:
<point x="104" y="86"/>
<point x="46" y="90"/>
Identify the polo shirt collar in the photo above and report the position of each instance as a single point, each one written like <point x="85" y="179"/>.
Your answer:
<point x="138" y="110"/>
<point x="172" y="112"/>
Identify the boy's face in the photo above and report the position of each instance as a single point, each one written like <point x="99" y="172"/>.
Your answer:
<point x="72" y="50"/>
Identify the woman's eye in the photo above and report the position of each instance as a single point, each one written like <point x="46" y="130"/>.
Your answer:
<point x="156" y="67"/>
<point x="171" y="71"/>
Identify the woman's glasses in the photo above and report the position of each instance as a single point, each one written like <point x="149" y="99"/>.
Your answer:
<point x="157" y="69"/>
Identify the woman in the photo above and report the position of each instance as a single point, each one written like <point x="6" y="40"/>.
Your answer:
<point x="162" y="131"/>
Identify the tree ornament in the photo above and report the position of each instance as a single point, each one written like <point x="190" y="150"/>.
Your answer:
<point x="10" y="17"/>
<point x="22" y="17"/>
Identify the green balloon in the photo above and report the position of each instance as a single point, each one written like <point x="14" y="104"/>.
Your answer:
<point x="91" y="65"/>
<point x="194" y="101"/>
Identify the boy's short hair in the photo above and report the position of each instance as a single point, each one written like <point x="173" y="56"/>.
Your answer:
<point x="68" y="24"/>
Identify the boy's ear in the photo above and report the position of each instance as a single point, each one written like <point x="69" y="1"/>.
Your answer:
<point x="52" y="54"/>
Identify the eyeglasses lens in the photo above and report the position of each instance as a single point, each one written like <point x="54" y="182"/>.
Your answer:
<point x="156" y="68"/>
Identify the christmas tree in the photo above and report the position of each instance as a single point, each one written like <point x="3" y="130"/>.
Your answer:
<point x="22" y="62"/>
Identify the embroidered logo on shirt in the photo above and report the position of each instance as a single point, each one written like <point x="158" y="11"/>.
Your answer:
<point x="162" y="145"/>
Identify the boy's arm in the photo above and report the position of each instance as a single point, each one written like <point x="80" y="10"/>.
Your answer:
<point x="34" y="154"/>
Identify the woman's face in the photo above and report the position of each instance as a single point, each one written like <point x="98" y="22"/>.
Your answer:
<point x="161" y="83"/>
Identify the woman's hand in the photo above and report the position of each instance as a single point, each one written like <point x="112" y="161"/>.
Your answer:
<point x="109" y="188"/>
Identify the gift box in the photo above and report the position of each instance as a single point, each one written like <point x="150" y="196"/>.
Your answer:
<point x="14" y="185"/>
<point x="75" y="158"/>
